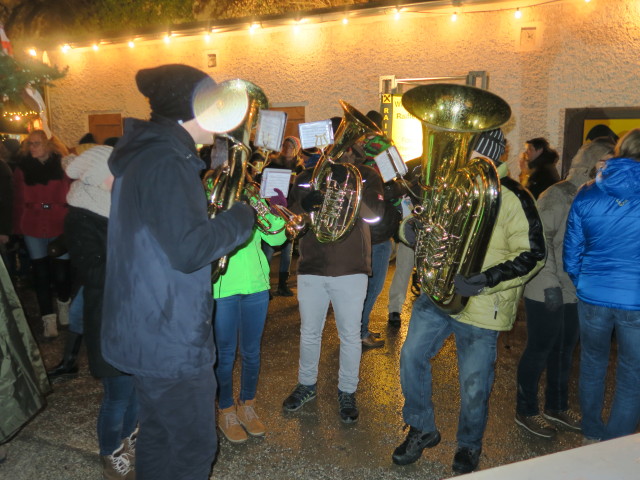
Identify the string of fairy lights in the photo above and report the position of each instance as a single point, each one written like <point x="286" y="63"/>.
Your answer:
<point x="208" y="32"/>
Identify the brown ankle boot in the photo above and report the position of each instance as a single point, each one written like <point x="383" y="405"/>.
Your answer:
<point x="230" y="425"/>
<point x="248" y="418"/>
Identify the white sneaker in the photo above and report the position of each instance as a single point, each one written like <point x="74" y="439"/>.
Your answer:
<point x="117" y="466"/>
<point x="50" y="325"/>
<point x="63" y="312"/>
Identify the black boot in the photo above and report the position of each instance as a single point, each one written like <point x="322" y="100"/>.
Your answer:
<point x="68" y="367"/>
<point x="283" y="290"/>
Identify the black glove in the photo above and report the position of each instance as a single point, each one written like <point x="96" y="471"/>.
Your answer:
<point x="313" y="201"/>
<point x="410" y="231"/>
<point x="469" y="286"/>
<point x="553" y="298"/>
<point x="338" y="172"/>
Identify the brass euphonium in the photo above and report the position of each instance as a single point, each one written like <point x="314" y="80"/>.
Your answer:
<point x="460" y="197"/>
<point x="230" y="110"/>
<point x="341" y="205"/>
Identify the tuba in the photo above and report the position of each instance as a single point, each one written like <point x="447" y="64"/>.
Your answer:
<point x="341" y="204"/>
<point x="230" y="110"/>
<point x="459" y="197"/>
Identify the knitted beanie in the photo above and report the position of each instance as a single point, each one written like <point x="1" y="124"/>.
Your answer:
<point x="491" y="144"/>
<point x="170" y="89"/>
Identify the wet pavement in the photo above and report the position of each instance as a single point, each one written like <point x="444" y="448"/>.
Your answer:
<point x="60" y="443"/>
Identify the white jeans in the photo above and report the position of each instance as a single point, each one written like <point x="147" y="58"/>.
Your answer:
<point x="346" y="294"/>
<point x="401" y="277"/>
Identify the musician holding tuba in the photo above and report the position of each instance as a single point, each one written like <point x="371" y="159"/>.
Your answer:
<point x="333" y="272"/>
<point x="515" y="252"/>
<point x="157" y="297"/>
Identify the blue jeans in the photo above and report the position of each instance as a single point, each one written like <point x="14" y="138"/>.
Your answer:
<point x="75" y="313"/>
<point x="118" y="415"/>
<point x="37" y="247"/>
<point x="429" y="327"/>
<point x="597" y="325"/>
<point x="380" y="254"/>
<point x="239" y="319"/>
<point x="286" y="250"/>
<point x="551" y="339"/>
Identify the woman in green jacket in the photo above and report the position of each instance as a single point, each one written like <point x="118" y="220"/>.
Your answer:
<point x="241" y="300"/>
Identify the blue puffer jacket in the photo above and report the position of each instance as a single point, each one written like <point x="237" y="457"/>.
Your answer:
<point x="601" y="253"/>
<point x="157" y="299"/>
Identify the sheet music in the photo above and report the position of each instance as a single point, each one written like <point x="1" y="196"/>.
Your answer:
<point x="316" y="134"/>
<point x="273" y="178"/>
<point x="270" y="129"/>
<point x="390" y="164"/>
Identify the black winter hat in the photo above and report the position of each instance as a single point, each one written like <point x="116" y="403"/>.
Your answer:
<point x="170" y="88"/>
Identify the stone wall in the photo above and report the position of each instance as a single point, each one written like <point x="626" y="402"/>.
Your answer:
<point x="571" y="54"/>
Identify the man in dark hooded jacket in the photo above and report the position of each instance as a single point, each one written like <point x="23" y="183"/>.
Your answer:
<point x="157" y="304"/>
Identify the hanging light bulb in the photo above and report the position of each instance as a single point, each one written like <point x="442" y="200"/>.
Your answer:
<point x="518" y="13"/>
<point x="345" y="20"/>
<point x="95" y="47"/>
<point x="397" y="15"/>
<point x="454" y="17"/>
<point x="32" y="52"/>
<point x="131" y="44"/>
<point x="65" y="48"/>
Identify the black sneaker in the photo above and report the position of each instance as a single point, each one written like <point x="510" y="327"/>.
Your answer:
<point x="348" y="409"/>
<point x="466" y="460"/>
<point x="300" y="395"/>
<point x="394" y="319"/>
<point x="411" y="449"/>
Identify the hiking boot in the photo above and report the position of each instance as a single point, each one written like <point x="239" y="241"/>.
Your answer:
<point x="50" y="325"/>
<point x="230" y="425"/>
<point x="63" y="312"/>
<point x="117" y="466"/>
<point x="248" y="418"/>
<point x="466" y="460"/>
<point x="537" y="425"/>
<point x="348" y="409"/>
<point x="372" y="342"/>
<point x="411" y="449"/>
<point x="300" y="395"/>
<point x="394" y="319"/>
<point x="565" y="418"/>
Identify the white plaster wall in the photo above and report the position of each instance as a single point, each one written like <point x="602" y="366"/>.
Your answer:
<point x="587" y="55"/>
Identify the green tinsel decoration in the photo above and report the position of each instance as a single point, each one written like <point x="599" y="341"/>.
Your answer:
<point x="15" y="75"/>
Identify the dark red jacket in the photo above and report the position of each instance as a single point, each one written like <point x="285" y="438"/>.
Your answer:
<point x="39" y="210"/>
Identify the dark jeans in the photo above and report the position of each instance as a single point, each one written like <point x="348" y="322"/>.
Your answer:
<point x="118" y="415"/>
<point x="597" y="325"/>
<point x="286" y="251"/>
<point x="239" y="319"/>
<point x="177" y="438"/>
<point x="551" y="340"/>
<point x="380" y="254"/>
<point x="429" y="327"/>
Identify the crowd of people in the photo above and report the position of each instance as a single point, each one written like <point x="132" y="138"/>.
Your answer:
<point x="119" y="241"/>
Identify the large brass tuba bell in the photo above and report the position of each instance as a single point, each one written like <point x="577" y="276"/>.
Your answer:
<point x="230" y="110"/>
<point x="460" y="197"/>
<point x="341" y="205"/>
